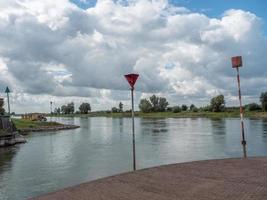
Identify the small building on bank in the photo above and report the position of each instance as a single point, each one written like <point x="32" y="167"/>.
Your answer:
<point x="34" y="116"/>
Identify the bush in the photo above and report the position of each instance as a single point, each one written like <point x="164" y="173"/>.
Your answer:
<point x="145" y="105"/>
<point x="176" y="109"/>
<point x="206" y="108"/>
<point x="253" y="107"/>
<point x="192" y="106"/>
<point x="169" y="109"/>
<point x="195" y="109"/>
<point x="114" y="110"/>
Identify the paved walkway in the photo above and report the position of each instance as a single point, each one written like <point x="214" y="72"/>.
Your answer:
<point x="228" y="179"/>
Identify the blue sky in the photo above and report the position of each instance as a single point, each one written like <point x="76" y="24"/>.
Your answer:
<point x="215" y="8"/>
<point x="212" y="8"/>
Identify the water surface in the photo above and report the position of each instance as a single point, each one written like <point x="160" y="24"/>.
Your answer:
<point x="102" y="147"/>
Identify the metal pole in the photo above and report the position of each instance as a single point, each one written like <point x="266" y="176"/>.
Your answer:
<point x="8" y="103"/>
<point x="243" y="142"/>
<point x="51" y="110"/>
<point x="134" y="160"/>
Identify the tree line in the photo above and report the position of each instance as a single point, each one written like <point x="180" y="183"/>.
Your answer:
<point x="217" y="104"/>
<point x="160" y="104"/>
<point x="84" y="108"/>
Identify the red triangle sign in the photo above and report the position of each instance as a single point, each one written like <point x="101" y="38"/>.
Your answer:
<point x="131" y="78"/>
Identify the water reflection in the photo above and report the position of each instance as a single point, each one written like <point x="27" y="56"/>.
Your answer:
<point x="7" y="154"/>
<point x="153" y="126"/>
<point x="218" y="126"/>
<point x="264" y="127"/>
<point x="85" y="123"/>
<point x="103" y="147"/>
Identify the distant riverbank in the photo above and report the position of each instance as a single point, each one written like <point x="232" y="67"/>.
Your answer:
<point x="184" y="114"/>
<point x="26" y="126"/>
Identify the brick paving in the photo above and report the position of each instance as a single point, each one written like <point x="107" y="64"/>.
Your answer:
<point x="227" y="179"/>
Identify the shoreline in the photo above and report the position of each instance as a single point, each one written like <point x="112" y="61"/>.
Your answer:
<point x="25" y="126"/>
<point x="185" y="114"/>
<point x="26" y="131"/>
<point x="11" y="140"/>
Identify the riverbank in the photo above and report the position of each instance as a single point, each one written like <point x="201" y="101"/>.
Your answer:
<point x="185" y="114"/>
<point x="231" y="179"/>
<point x="11" y="139"/>
<point x="26" y="126"/>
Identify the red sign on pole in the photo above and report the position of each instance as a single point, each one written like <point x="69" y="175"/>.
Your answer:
<point x="236" y="61"/>
<point x="131" y="78"/>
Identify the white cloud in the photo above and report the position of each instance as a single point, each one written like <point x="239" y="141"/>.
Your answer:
<point x="55" y="50"/>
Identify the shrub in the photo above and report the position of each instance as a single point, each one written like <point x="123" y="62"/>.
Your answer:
<point x="253" y="107"/>
<point x="176" y="109"/>
<point x="195" y="109"/>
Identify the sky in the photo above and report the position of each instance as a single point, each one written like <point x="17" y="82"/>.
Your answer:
<point x="79" y="50"/>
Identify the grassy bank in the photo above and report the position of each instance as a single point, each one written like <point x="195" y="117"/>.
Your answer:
<point x="233" y="114"/>
<point x="26" y="124"/>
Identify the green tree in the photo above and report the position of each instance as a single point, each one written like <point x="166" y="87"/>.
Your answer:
<point x="120" y="107"/>
<point x="64" y="109"/>
<point x="162" y="105"/>
<point x="145" y="106"/>
<point x="217" y="103"/>
<point x="153" y="104"/>
<point x="184" y="107"/>
<point x="70" y="108"/>
<point x="57" y="111"/>
<point x="154" y="100"/>
<point x="263" y="100"/>
<point x="85" y="108"/>
<point x="2" y="110"/>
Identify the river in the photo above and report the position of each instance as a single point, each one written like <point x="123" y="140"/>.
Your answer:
<point x="103" y="147"/>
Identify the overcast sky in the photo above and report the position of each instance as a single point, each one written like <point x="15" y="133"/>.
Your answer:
<point x="79" y="50"/>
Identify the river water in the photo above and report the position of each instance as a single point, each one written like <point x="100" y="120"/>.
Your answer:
<point x="102" y="147"/>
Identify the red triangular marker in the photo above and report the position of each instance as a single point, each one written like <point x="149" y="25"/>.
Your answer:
<point x="131" y="78"/>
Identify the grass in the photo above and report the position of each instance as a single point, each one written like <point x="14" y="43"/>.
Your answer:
<point x="24" y="124"/>
<point x="228" y="114"/>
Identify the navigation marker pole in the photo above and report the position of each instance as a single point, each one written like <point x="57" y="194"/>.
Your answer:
<point x="236" y="63"/>
<point x="51" y="110"/>
<point x="51" y="107"/>
<point x="131" y="78"/>
<point x="7" y="91"/>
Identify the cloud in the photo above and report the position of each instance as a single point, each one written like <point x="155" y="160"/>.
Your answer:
<point x="56" y="49"/>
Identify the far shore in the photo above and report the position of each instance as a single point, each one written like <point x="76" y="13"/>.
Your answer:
<point x="184" y="114"/>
